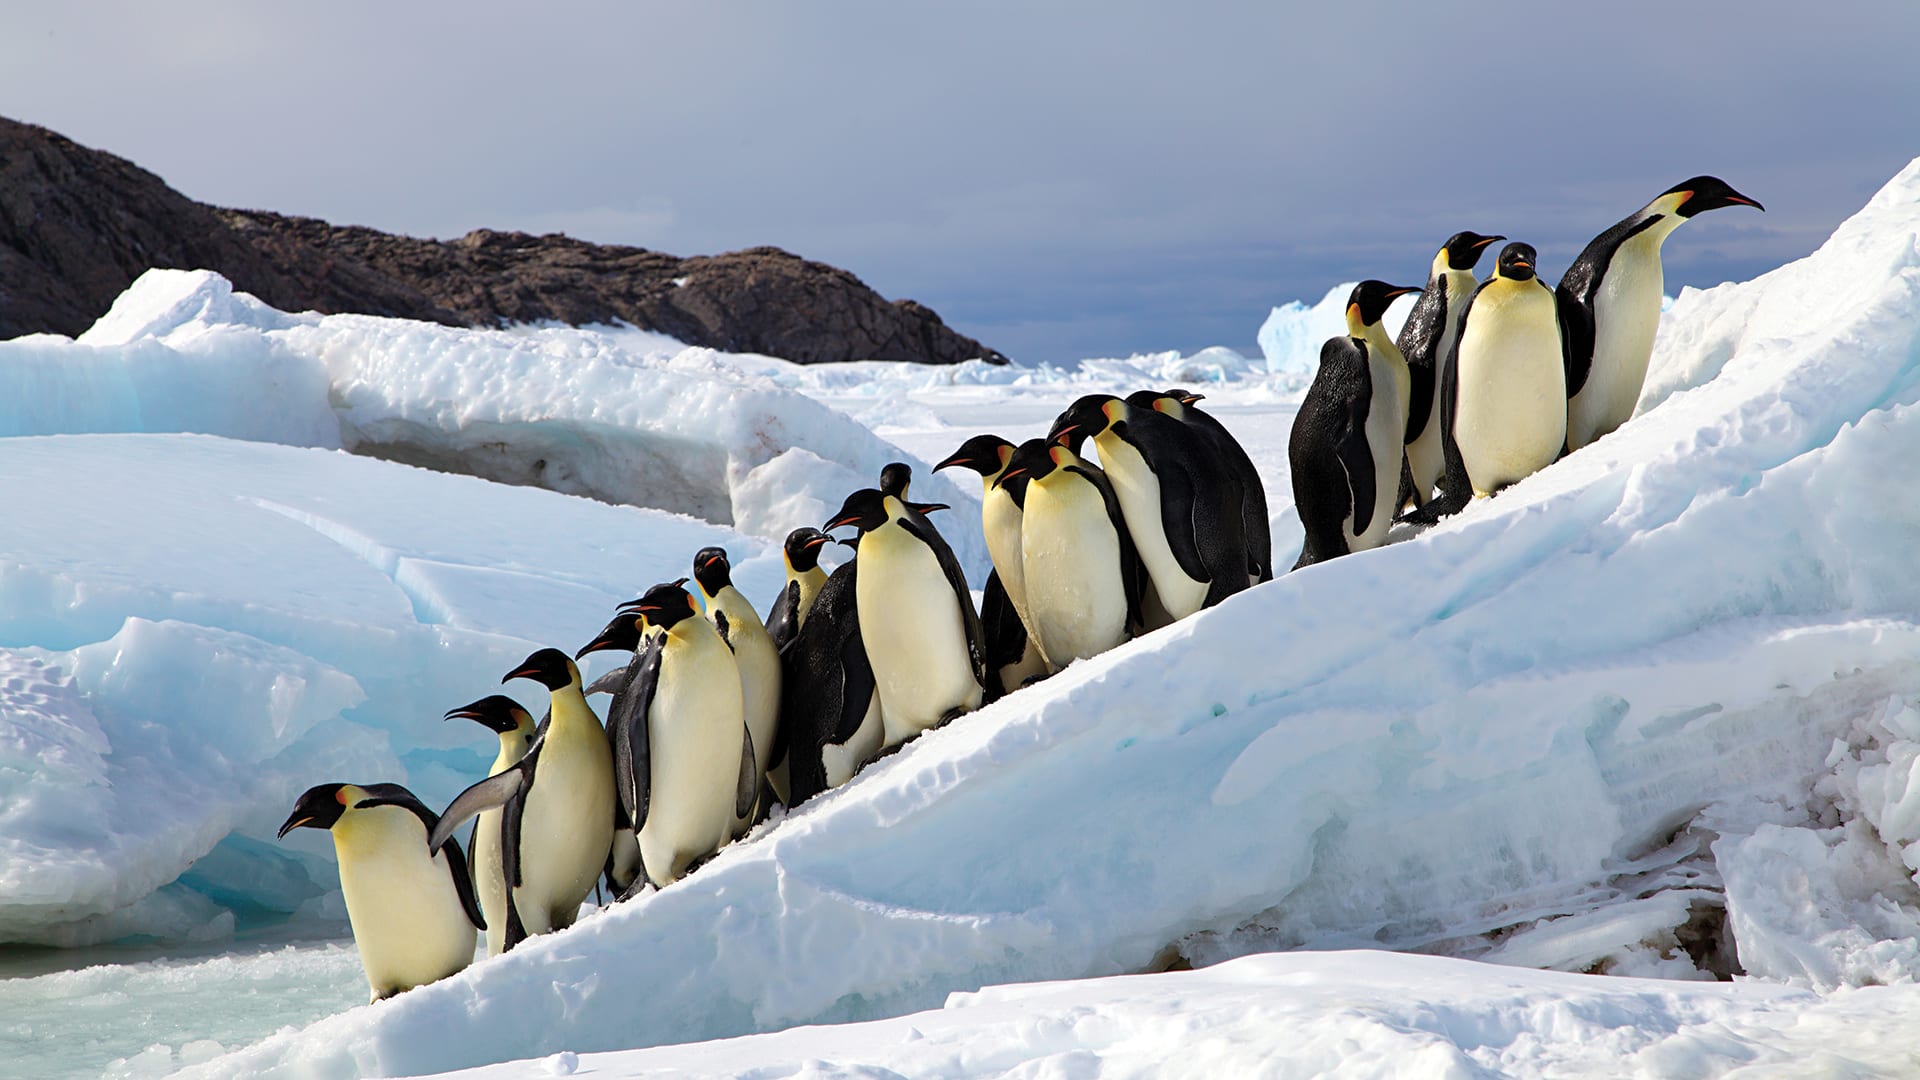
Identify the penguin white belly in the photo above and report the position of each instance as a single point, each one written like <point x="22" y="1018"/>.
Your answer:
<point x="1386" y="438"/>
<point x="1000" y="521"/>
<point x="1510" y="418"/>
<point x="1626" y="313"/>
<point x="563" y="843"/>
<point x="490" y="879"/>
<point x="694" y="732"/>
<point x="1138" y="491"/>
<point x="759" y="664"/>
<point x="407" y="920"/>
<point x="845" y="759"/>
<point x="1068" y="544"/>
<point x="910" y="620"/>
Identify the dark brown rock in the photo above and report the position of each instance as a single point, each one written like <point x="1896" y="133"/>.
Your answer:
<point x="78" y="225"/>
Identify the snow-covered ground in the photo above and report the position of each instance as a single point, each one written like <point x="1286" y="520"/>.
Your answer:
<point x="1652" y="713"/>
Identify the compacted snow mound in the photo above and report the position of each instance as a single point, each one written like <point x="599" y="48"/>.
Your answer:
<point x="1553" y="705"/>
<point x="615" y="416"/>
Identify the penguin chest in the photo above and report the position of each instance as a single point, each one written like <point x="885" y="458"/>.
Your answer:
<point x="407" y="920"/>
<point x="1626" y="314"/>
<point x="1000" y="521"/>
<point x="810" y="583"/>
<point x="566" y="827"/>
<point x="1072" y="558"/>
<point x="915" y="637"/>
<point x="1386" y="438"/>
<point x="694" y="733"/>
<point x="1138" y="492"/>
<point x="1510" y="418"/>
<point x="490" y="878"/>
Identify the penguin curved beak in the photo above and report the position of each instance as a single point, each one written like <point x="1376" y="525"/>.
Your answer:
<point x="817" y="541"/>
<point x="957" y="459"/>
<point x="602" y="642"/>
<point x="1064" y="434"/>
<point x="928" y="508"/>
<point x="1742" y="200"/>
<point x="293" y="823"/>
<point x="528" y="672"/>
<point x="840" y="522"/>
<point x="1404" y="290"/>
<point x="1191" y="398"/>
<point x="854" y="544"/>
<point x="1485" y="240"/>
<point x="1011" y="473"/>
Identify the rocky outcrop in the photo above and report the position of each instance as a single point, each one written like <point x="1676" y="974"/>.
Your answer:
<point x="78" y="225"/>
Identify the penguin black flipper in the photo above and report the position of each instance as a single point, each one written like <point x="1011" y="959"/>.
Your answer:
<point x="969" y="618"/>
<point x="1328" y="447"/>
<point x="610" y="683"/>
<point x="1133" y="573"/>
<point x="858" y="685"/>
<point x="1456" y="487"/>
<point x="1575" y="295"/>
<point x="1006" y="635"/>
<point x="395" y="795"/>
<point x="747" y="788"/>
<point x="495" y="791"/>
<point x="1218" y="530"/>
<point x="720" y="624"/>
<point x="781" y="623"/>
<point x="1356" y="457"/>
<point x="632" y="745"/>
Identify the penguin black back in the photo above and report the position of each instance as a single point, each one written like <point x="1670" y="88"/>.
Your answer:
<point x="827" y="683"/>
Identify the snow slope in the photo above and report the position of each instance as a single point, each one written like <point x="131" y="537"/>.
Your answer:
<point x="1669" y="675"/>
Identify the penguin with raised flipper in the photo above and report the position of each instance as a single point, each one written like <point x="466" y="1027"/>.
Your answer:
<point x="801" y="553"/>
<point x="1182" y="405"/>
<point x="1086" y="579"/>
<point x="557" y="825"/>
<point x="684" y="765"/>
<point x="917" y="618"/>
<point x="830" y="701"/>
<point x="1609" y="302"/>
<point x="1348" y="447"/>
<point x="759" y="664"/>
<point x="1426" y="341"/>
<point x="1181" y="500"/>
<point x="413" y="911"/>
<point x="514" y="725"/>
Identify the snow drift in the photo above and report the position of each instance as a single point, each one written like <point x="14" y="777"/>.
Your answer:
<point x="1606" y="711"/>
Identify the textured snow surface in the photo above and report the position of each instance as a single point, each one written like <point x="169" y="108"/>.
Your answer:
<point x="1663" y="691"/>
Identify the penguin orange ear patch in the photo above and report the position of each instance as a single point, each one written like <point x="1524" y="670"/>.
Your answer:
<point x="340" y="796"/>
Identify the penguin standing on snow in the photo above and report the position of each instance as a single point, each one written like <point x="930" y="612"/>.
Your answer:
<point x="1610" y="306"/>
<point x="1426" y="341"/>
<point x="1502" y="397"/>
<point x="1085" y="577"/>
<point x="1181" y="405"/>
<point x="830" y="701"/>
<point x="624" y="634"/>
<point x="504" y="717"/>
<point x="1181" y="501"/>
<point x="916" y="616"/>
<point x="1014" y="656"/>
<point x="557" y="828"/>
<point x="801" y="553"/>
<point x="758" y="661"/>
<point x="413" y="911"/>
<point x="1348" y="444"/>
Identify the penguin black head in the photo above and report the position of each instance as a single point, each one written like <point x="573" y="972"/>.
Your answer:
<point x="803" y="548"/>
<point x="1368" y="302"/>
<point x="548" y="667"/>
<point x="665" y="605"/>
<point x="1703" y="193"/>
<point x="1146" y="399"/>
<point x="1516" y="262"/>
<point x="865" y="509"/>
<point x="894" y="479"/>
<point x="318" y="808"/>
<point x="1463" y="249"/>
<point x="711" y="570"/>
<point x="1086" y="417"/>
<point x="1183" y="396"/>
<point x="1031" y="461"/>
<point x="498" y="714"/>
<point x="622" y="634"/>
<point x="984" y="454"/>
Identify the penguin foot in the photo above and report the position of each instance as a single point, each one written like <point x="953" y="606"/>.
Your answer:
<point x="949" y="716"/>
<point x="1031" y="679"/>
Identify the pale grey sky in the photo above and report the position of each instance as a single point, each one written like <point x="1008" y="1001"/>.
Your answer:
<point x="1057" y="179"/>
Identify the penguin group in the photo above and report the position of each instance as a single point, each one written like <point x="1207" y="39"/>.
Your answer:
<point x="1128" y="515"/>
<point x="1489" y="382"/>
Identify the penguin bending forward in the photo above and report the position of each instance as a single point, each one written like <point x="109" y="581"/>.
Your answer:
<point x="1348" y="440"/>
<point x="557" y="825"/>
<point x="1085" y="577"/>
<point x="1181" y="501"/>
<point x="413" y="911"/>
<point x="1426" y="341"/>
<point x="917" y="619"/>
<point x="504" y="717"/>
<point x="1257" y="530"/>
<point x="1610" y="306"/>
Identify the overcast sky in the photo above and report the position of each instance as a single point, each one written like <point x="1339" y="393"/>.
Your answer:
<point x="1057" y="179"/>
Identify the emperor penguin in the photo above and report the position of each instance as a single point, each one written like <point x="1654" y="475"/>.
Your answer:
<point x="830" y="701"/>
<point x="557" y="828"/>
<point x="1014" y="655"/>
<point x="895" y="478"/>
<point x="917" y="619"/>
<point x="413" y="911"/>
<point x="514" y="725"/>
<point x="1085" y="577"/>
<point x="801" y="553"/>
<point x="625" y="634"/>
<point x="758" y="661"/>
<point x="1182" y="406"/>
<point x="1180" y="499"/>
<point x="1610" y="306"/>
<point x="1348" y="444"/>
<point x="1503" y="393"/>
<point x="1426" y="341"/>
<point x="686" y="768"/>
